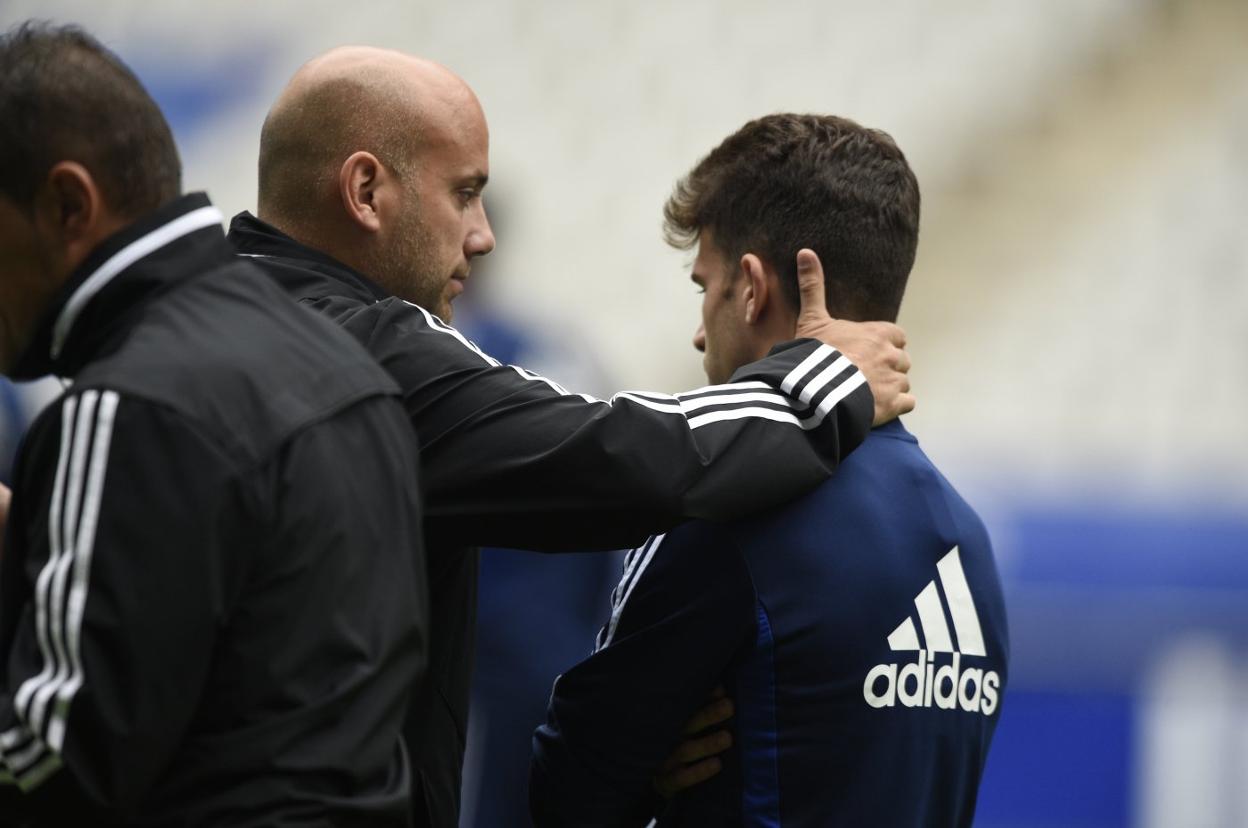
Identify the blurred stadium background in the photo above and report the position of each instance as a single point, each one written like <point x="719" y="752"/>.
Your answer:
<point x="1075" y="315"/>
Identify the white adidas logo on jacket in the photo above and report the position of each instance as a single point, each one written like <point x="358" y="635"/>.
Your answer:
<point x="922" y="683"/>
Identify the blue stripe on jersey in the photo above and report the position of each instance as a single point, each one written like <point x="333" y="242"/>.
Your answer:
<point x="756" y="703"/>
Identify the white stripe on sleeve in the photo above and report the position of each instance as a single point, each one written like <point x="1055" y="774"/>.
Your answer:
<point x="438" y="325"/>
<point x="83" y="552"/>
<point x="80" y="485"/>
<point x="741" y="413"/>
<point x="640" y="570"/>
<point x="55" y="607"/>
<point x="752" y="385"/>
<point x="43" y="584"/>
<point x="722" y="399"/>
<point x="837" y="394"/>
<point x="823" y="378"/>
<point x="805" y="367"/>
<point x="672" y="406"/>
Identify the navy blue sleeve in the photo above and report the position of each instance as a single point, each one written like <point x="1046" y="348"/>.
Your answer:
<point x="682" y="612"/>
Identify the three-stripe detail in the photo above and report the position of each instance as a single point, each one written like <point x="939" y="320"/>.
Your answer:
<point x="635" y="563"/>
<point x="928" y="607"/>
<point x="806" y="396"/>
<point x="29" y="752"/>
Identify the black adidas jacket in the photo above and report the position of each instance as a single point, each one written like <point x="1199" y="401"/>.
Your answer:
<point x="212" y="594"/>
<point x="512" y="459"/>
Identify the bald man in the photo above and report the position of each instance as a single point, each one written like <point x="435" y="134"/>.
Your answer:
<point x="372" y="167"/>
<point x="379" y="160"/>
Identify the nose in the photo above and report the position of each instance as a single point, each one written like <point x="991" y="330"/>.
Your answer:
<point x="480" y="238"/>
<point x="699" y="338"/>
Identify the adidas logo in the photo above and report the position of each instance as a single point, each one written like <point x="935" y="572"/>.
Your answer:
<point x="922" y="683"/>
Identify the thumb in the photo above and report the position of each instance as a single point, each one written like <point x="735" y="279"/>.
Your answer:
<point x="810" y="285"/>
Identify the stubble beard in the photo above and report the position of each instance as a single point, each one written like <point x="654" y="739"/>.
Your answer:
<point x="408" y="271"/>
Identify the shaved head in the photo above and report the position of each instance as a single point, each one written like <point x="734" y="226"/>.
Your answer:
<point x="378" y="158"/>
<point x="354" y="98"/>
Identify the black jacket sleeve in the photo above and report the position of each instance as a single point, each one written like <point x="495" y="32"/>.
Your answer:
<point x="113" y="587"/>
<point x="681" y="614"/>
<point x="513" y="459"/>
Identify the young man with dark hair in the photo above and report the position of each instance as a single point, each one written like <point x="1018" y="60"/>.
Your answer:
<point x="212" y="595"/>
<point x="806" y="614"/>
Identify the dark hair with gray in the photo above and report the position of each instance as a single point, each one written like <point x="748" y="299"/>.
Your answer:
<point x="784" y="182"/>
<point x="64" y="97"/>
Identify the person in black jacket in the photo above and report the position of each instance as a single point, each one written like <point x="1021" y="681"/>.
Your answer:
<point x="212" y="594"/>
<point x="372" y="166"/>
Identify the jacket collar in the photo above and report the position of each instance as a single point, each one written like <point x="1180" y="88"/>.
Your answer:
<point x="259" y="240"/>
<point x="124" y="271"/>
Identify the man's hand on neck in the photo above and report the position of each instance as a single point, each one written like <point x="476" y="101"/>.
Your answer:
<point x="877" y="348"/>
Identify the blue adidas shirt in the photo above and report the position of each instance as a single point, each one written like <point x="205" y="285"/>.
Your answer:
<point x="860" y="630"/>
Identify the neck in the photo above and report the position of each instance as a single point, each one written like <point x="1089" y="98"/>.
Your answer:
<point x="313" y="234"/>
<point x="780" y="325"/>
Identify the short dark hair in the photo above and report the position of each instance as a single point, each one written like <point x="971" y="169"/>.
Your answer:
<point x="64" y="97"/>
<point x="784" y="182"/>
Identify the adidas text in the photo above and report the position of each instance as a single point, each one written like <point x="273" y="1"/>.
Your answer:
<point x="924" y="684"/>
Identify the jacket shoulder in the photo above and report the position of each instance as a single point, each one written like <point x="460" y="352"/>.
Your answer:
<point x="231" y="352"/>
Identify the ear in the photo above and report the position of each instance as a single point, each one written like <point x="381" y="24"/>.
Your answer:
<point x="757" y="288"/>
<point x="70" y="204"/>
<point x="70" y="209"/>
<point x="360" y="179"/>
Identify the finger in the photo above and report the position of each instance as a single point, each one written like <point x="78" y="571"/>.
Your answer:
<point x="893" y="333"/>
<point x="897" y="400"/>
<point x="902" y="362"/>
<point x="691" y="750"/>
<point x="903" y="403"/>
<point x="713" y="713"/>
<point x="719" y="692"/>
<point x="810" y="283"/>
<point x="669" y="784"/>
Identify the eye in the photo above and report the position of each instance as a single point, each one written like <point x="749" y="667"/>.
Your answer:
<point x="468" y="196"/>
